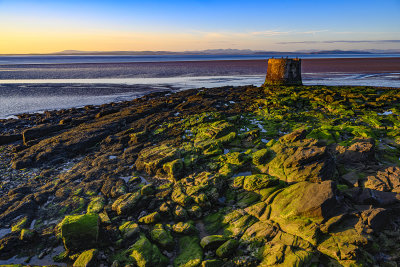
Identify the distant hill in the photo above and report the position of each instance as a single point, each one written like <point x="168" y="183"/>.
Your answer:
<point x="221" y="52"/>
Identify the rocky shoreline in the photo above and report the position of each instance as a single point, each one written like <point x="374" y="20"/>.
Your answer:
<point x="230" y="176"/>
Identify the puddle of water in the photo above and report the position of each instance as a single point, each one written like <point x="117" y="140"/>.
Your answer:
<point x="144" y="181"/>
<point x="4" y="232"/>
<point x="389" y="112"/>
<point x="45" y="261"/>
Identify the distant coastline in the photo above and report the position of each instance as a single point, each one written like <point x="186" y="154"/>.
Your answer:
<point x="218" y="52"/>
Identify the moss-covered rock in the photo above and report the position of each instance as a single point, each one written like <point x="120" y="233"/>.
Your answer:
<point x="152" y="159"/>
<point x="211" y="263"/>
<point x="27" y="234"/>
<point x="185" y="228"/>
<point x="173" y="169"/>
<point x="80" y="231"/>
<point x="129" y="229"/>
<point x="150" y="218"/>
<point x="87" y="258"/>
<point x="227" y="249"/>
<point x="20" y="224"/>
<point x="162" y="236"/>
<point x="190" y="252"/>
<point x="303" y="163"/>
<point x="147" y="254"/>
<point x="212" y="242"/>
<point x="96" y="205"/>
<point x="259" y="181"/>
<point x="126" y="203"/>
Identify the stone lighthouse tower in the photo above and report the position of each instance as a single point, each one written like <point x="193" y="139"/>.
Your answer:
<point x="283" y="71"/>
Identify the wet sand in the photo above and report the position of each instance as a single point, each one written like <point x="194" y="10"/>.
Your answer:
<point x="190" y="68"/>
<point x="351" y="65"/>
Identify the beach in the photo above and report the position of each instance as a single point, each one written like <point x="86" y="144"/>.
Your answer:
<point x="27" y="88"/>
<point x="190" y="68"/>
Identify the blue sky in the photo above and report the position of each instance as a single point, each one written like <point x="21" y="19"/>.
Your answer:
<point x="46" y="26"/>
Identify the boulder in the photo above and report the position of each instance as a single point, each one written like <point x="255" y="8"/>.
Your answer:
<point x="151" y="218"/>
<point x="129" y="229"/>
<point x="147" y="254"/>
<point x="80" y="231"/>
<point x="305" y="199"/>
<point x="300" y="207"/>
<point x="387" y="180"/>
<point x="361" y="151"/>
<point x="126" y="203"/>
<point x="296" y="164"/>
<point x="162" y="236"/>
<point x="212" y="242"/>
<point x="190" y="252"/>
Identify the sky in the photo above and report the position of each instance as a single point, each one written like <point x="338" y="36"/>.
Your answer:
<point x="34" y="26"/>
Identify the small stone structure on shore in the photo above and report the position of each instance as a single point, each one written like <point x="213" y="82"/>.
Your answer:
<point x="283" y="71"/>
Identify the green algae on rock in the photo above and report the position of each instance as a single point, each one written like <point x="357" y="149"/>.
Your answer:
<point x="147" y="254"/>
<point x="80" y="231"/>
<point x="258" y="176"/>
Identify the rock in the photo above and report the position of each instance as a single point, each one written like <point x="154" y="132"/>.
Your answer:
<point x="305" y="199"/>
<point x="212" y="242"/>
<point x="129" y="229"/>
<point x="387" y="180"/>
<point x="180" y="213"/>
<point x="260" y="231"/>
<point x="227" y="249"/>
<point x="96" y="205"/>
<point x="299" y="207"/>
<point x="296" y="164"/>
<point x="190" y="252"/>
<point x="238" y="226"/>
<point x="6" y="139"/>
<point x="40" y="132"/>
<point x="184" y="228"/>
<point x="211" y="263"/>
<point x="87" y="258"/>
<point x="27" y="234"/>
<point x="151" y="218"/>
<point x="294" y="136"/>
<point x="147" y="190"/>
<point x="147" y="254"/>
<point x="80" y="231"/>
<point x="362" y="151"/>
<point x="26" y="206"/>
<point x="20" y="224"/>
<point x="373" y="197"/>
<point x="152" y="159"/>
<point x="173" y="169"/>
<point x="126" y="203"/>
<point x="259" y="181"/>
<point x="162" y="237"/>
<point x="377" y="219"/>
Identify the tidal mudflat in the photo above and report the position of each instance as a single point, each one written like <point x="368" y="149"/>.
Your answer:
<point x="229" y="176"/>
<point x="39" y="87"/>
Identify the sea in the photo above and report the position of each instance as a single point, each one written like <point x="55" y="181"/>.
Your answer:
<point x="36" y="83"/>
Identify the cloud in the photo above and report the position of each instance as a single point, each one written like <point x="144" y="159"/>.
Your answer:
<point x="341" y="41"/>
<point x="269" y="33"/>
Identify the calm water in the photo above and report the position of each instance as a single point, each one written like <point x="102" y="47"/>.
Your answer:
<point x="62" y="59"/>
<point x="30" y="84"/>
<point x="40" y="95"/>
